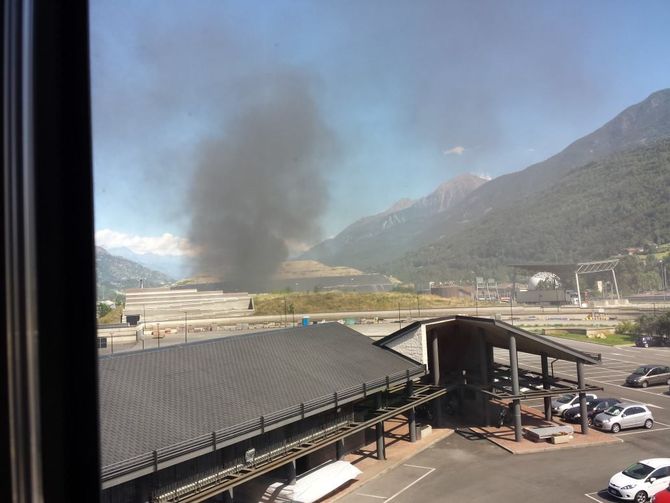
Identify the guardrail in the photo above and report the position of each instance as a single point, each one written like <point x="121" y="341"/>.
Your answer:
<point x="217" y="439"/>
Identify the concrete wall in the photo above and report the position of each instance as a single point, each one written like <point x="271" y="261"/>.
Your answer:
<point x="412" y="344"/>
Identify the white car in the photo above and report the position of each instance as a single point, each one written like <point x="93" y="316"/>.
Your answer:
<point x="564" y="402"/>
<point x="641" y="481"/>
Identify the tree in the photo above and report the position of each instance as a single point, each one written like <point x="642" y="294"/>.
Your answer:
<point x="103" y="309"/>
<point x="120" y="300"/>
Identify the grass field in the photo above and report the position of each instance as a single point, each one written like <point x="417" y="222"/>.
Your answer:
<point x="611" y="340"/>
<point x="331" y="302"/>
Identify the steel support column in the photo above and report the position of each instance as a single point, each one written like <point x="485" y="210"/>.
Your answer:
<point x="437" y="404"/>
<point x="379" y="430"/>
<point x="616" y="286"/>
<point x="291" y="473"/>
<point x="412" y="425"/>
<point x="546" y="385"/>
<point x="582" y="398"/>
<point x="339" y="449"/>
<point x="514" y="368"/>
<point x="484" y="377"/>
<point x="436" y="360"/>
<point x="379" y="433"/>
<point x="579" y="292"/>
<point x="227" y="496"/>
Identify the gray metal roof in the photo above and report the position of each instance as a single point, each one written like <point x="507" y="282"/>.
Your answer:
<point x="153" y="399"/>
<point x="497" y="333"/>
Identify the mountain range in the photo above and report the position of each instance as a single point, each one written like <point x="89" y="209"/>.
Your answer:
<point x="612" y="182"/>
<point x="115" y="274"/>
<point x="363" y="243"/>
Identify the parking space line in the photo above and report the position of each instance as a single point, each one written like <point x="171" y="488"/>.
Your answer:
<point x="591" y="497"/>
<point x="371" y="496"/>
<point x="422" y="467"/>
<point x="641" y="431"/>
<point x="431" y="470"/>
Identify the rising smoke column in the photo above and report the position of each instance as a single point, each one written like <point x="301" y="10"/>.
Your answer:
<point x="260" y="182"/>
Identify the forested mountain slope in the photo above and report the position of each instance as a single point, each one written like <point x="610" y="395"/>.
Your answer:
<point x="592" y="212"/>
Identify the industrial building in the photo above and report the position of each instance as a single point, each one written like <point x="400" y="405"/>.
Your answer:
<point x="147" y="305"/>
<point x="548" y="285"/>
<point x="191" y="422"/>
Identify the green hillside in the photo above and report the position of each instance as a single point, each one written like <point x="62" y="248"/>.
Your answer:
<point x="591" y="213"/>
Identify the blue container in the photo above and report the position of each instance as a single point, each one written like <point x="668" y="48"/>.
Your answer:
<point x="305" y="321"/>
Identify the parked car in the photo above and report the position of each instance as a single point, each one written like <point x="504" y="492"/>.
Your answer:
<point x="624" y="415"/>
<point x="641" y="481"/>
<point x="593" y="408"/>
<point x="662" y="497"/>
<point x="649" y="374"/>
<point x="564" y="402"/>
<point x="644" y="341"/>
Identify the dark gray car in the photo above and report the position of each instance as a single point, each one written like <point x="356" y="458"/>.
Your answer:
<point x="649" y="374"/>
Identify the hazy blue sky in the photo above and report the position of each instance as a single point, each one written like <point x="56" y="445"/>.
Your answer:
<point x="403" y="95"/>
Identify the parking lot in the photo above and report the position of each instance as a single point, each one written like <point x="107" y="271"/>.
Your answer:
<point x="465" y="467"/>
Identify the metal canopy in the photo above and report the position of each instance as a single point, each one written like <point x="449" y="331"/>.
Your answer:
<point x="598" y="266"/>
<point x="560" y="270"/>
<point x="595" y="267"/>
<point x="498" y="333"/>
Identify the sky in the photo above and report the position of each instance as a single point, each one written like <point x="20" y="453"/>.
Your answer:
<point x="219" y="123"/>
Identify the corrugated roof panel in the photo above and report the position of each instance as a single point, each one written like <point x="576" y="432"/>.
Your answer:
<point x="154" y="399"/>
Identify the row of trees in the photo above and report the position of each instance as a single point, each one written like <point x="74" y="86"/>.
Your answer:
<point x="647" y="324"/>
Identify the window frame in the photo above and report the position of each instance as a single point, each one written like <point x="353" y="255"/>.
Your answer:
<point x="49" y="370"/>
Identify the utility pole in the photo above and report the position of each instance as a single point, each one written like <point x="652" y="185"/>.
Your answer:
<point x="399" y="322"/>
<point x="185" y="327"/>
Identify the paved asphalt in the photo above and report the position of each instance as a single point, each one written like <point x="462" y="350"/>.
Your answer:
<point x="466" y="468"/>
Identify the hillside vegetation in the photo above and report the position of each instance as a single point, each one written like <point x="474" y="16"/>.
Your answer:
<point x="115" y="274"/>
<point x="591" y="213"/>
<point x="331" y="302"/>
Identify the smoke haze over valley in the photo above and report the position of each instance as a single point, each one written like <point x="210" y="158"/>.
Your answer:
<point x="252" y="134"/>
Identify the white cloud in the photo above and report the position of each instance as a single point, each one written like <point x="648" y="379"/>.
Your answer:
<point x="166" y="244"/>
<point x="458" y="150"/>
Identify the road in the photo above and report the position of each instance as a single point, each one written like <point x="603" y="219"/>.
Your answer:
<point x="466" y="468"/>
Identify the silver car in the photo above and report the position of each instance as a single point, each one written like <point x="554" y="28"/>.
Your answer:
<point x="624" y="415"/>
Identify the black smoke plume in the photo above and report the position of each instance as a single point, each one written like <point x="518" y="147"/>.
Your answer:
<point x="260" y="183"/>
